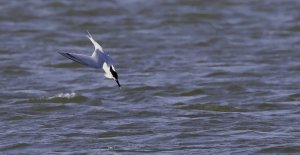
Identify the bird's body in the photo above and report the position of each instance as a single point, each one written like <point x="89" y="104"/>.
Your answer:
<point x="99" y="59"/>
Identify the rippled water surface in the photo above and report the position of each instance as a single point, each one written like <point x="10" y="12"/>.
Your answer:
<point x="198" y="77"/>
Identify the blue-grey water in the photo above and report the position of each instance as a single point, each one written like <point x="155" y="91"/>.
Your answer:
<point x="198" y="77"/>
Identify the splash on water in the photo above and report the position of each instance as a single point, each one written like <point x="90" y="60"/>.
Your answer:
<point x="64" y="95"/>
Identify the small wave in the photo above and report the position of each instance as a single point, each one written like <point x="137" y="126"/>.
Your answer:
<point x="281" y="149"/>
<point x="269" y="106"/>
<point x="59" y="98"/>
<point x="294" y="29"/>
<point x="14" y="146"/>
<point x="193" y="92"/>
<point x="293" y="97"/>
<point x="235" y="88"/>
<point x="64" y="95"/>
<point x="212" y="107"/>
<point x="15" y="71"/>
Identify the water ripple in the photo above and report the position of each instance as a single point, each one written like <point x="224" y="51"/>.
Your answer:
<point x="198" y="77"/>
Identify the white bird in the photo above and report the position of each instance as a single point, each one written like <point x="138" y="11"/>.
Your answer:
<point x="99" y="59"/>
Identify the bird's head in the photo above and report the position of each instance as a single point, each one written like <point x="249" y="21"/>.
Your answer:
<point x="114" y="74"/>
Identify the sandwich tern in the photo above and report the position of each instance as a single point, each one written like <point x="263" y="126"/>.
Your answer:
<point x="99" y="59"/>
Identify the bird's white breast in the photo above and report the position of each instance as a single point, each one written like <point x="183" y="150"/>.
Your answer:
<point x="107" y="71"/>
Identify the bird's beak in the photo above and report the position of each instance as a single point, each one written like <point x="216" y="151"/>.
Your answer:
<point x="118" y="83"/>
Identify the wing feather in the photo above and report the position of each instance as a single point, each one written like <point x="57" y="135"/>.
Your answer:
<point x="96" y="45"/>
<point x="83" y="59"/>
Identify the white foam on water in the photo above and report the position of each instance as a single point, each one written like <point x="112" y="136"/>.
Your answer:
<point x="64" y="95"/>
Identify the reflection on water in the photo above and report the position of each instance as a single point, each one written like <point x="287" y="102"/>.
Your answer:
<point x="199" y="77"/>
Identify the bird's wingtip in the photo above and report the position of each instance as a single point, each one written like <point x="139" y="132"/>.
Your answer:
<point x="88" y="34"/>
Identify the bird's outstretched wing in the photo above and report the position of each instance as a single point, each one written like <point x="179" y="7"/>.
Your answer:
<point x="83" y="59"/>
<point x="99" y="54"/>
<point x="96" y="45"/>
